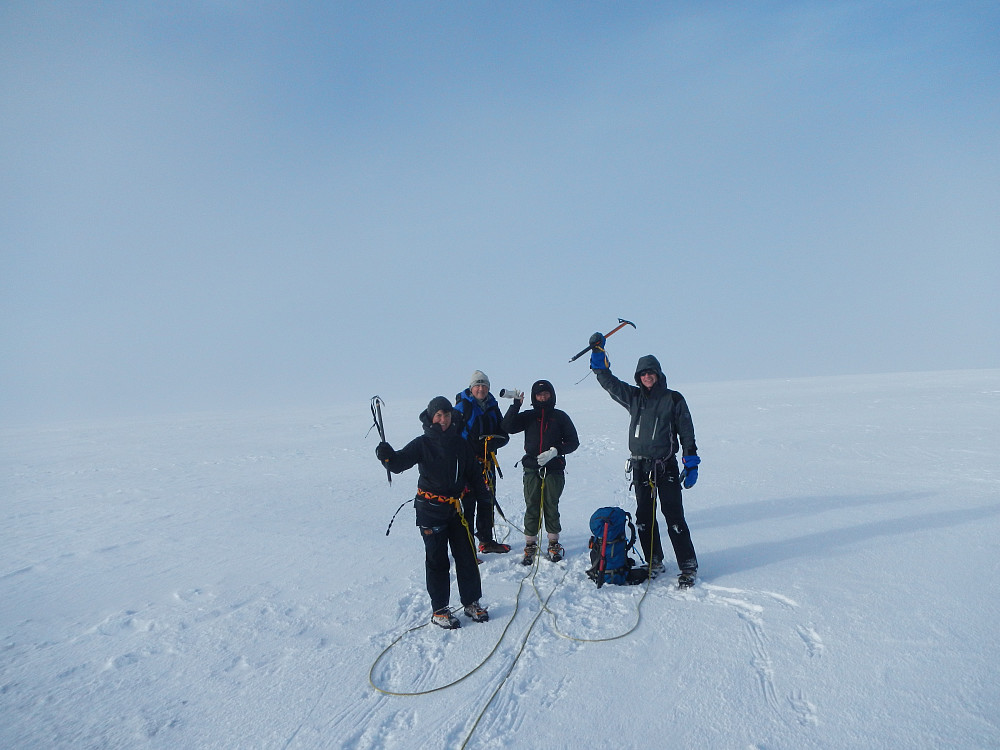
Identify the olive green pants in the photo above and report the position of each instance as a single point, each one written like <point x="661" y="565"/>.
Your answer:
<point x="549" y="501"/>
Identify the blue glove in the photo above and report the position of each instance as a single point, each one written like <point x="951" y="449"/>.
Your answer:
<point x="690" y="474"/>
<point x="598" y="358"/>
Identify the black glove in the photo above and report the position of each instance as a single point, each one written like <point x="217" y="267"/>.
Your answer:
<point x="384" y="451"/>
<point x="597" y="339"/>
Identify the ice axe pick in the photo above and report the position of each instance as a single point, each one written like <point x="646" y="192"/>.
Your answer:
<point x="621" y="324"/>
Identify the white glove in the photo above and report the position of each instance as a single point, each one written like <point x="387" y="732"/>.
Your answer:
<point x="545" y="457"/>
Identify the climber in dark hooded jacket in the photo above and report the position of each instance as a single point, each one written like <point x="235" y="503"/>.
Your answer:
<point x="660" y="425"/>
<point x="549" y="434"/>
<point x="447" y="467"/>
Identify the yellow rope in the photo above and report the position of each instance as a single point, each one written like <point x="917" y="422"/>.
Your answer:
<point x="520" y="650"/>
<point x="544" y="602"/>
<point x="387" y="649"/>
<point x="555" y="616"/>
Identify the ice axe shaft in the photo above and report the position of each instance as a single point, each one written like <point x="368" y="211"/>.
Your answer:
<point x="377" y="417"/>
<point x="621" y="324"/>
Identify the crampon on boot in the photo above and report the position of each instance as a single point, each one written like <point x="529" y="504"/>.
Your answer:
<point x="491" y="546"/>
<point x="686" y="579"/>
<point x="530" y="550"/>
<point x="443" y="618"/>
<point x="555" y="552"/>
<point x="476" y="612"/>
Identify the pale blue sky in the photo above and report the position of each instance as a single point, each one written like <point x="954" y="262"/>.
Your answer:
<point x="244" y="204"/>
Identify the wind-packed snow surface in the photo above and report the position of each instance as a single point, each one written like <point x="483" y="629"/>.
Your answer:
<point x="226" y="582"/>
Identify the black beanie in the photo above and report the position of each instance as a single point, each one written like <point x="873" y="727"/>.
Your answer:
<point x="543" y="385"/>
<point x="438" y="403"/>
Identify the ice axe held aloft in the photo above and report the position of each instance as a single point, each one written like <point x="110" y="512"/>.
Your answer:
<point x="378" y="425"/>
<point x="621" y="324"/>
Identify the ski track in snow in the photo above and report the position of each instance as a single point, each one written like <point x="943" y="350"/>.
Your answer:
<point x="758" y="637"/>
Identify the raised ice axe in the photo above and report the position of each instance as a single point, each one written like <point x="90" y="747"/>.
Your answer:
<point x="621" y="324"/>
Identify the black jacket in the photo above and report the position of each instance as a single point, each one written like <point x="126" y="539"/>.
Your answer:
<point x="660" y="420"/>
<point x="447" y="466"/>
<point x="544" y="427"/>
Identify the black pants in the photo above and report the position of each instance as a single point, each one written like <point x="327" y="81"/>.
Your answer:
<point x="437" y="539"/>
<point x="479" y="515"/>
<point x="665" y="476"/>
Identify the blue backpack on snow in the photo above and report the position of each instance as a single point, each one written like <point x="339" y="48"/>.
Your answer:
<point x="609" y="546"/>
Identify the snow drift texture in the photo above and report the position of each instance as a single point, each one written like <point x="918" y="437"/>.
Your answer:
<point x="226" y="582"/>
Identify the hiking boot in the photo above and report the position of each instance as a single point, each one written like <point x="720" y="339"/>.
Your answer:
<point x="656" y="567"/>
<point x="530" y="550"/>
<point x="443" y="618"/>
<point x="476" y="612"/>
<point x="490" y="546"/>
<point x="686" y="579"/>
<point x="556" y="552"/>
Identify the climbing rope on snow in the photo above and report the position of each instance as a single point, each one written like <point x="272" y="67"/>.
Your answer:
<point x="476" y="668"/>
<point x="555" y="615"/>
<point x="544" y="607"/>
<point x="530" y="575"/>
<point x="517" y="656"/>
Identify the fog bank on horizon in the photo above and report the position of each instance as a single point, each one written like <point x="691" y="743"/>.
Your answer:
<point x="212" y="205"/>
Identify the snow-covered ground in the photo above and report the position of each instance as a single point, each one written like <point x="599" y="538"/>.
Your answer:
<point x="225" y="581"/>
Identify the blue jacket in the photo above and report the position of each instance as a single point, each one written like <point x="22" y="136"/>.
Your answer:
<point x="474" y="421"/>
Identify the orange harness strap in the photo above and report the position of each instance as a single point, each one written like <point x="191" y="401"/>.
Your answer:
<point x="457" y="502"/>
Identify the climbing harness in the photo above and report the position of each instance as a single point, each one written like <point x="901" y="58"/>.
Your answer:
<point x="455" y="502"/>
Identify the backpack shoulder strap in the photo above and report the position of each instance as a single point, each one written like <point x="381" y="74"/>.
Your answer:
<point x="631" y="528"/>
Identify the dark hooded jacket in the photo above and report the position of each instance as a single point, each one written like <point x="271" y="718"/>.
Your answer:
<point x="660" y="422"/>
<point x="447" y="466"/>
<point x="544" y="427"/>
